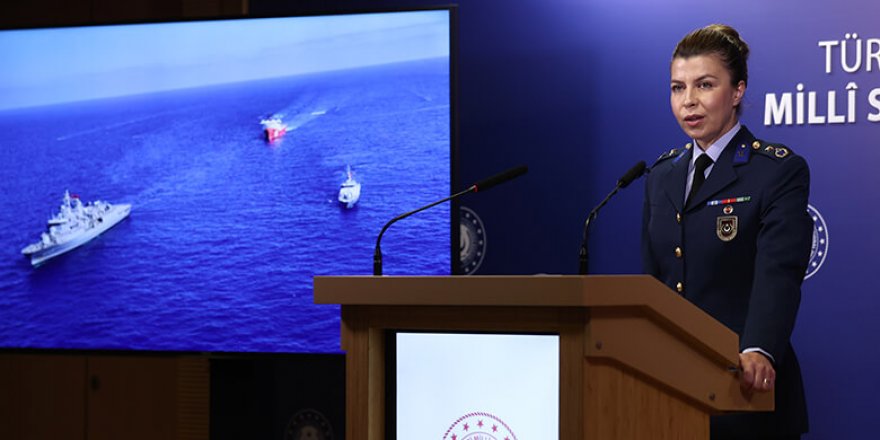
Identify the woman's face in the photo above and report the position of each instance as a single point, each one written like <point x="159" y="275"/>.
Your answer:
<point x="703" y="100"/>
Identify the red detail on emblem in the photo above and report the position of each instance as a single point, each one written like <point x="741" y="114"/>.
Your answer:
<point x="463" y="425"/>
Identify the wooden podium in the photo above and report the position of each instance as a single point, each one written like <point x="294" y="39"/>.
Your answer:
<point x="637" y="361"/>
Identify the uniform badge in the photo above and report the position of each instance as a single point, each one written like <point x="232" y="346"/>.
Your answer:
<point x="726" y="226"/>
<point x="728" y="209"/>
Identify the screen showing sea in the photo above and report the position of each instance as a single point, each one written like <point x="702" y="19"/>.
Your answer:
<point x="176" y="186"/>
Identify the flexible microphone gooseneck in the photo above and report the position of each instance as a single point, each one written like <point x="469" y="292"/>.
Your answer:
<point x="638" y="170"/>
<point x="482" y="185"/>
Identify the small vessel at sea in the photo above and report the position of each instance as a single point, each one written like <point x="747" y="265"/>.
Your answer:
<point x="273" y="128"/>
<point x="349" y="190"/>
<point x="75" y="224"/>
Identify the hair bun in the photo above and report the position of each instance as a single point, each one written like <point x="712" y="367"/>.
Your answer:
<point x="730" y="34"/>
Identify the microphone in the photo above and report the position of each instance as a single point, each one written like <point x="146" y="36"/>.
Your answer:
<point x="634" y="173"/>
<point x="482" y="185"/>
<point x="638" y="170"/>
<point x="485" y="184"/>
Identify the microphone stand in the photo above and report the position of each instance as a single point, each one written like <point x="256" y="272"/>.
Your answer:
<point x="479" y="186"/>
<point x="632" y="174"/>
<point x="584" y="253"/>
<point x="377" y="255"/>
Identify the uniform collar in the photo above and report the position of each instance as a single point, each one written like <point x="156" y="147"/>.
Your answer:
<point x="714" y="151"/>
<point x="723" y="172"/>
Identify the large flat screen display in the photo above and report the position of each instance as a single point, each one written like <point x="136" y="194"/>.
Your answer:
<point x="176" y="186"/>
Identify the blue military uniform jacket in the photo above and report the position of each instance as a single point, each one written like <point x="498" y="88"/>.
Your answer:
<point x="738" y="250"/>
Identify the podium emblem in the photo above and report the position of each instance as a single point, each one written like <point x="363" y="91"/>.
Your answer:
<point x="479" y="426"/>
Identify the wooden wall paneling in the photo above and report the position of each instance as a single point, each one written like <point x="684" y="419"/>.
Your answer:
<point x="193" y="398"/>
<point x="147" y="397"/>
<point x="42" y="396"/>
<point x="214" y="8"/>
<point x="104" y="11"/>
<point x="45" y="13"/>
<point x="131" y="397"/>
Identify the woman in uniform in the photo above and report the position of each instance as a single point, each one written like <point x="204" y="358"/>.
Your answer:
<point x="726" y="226"/>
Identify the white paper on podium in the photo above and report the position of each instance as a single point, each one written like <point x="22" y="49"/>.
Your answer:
<point x="477" y="386"/>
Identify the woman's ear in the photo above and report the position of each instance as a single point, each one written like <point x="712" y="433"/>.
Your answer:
<point x="739" y="92"/>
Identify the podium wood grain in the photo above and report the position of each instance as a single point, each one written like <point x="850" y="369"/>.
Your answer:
<point x="636" y="360"/>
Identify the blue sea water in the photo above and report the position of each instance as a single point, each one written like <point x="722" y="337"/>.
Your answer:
<point x="226" y="230"/>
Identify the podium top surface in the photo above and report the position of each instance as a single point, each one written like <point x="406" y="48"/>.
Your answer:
<point x="492" y="290"/>
<point x="576" y="291"/>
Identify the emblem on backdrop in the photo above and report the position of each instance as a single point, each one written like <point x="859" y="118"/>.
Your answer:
<point x="479" y="426"/>
<point x="472" y="241"/>
<point x="308" y="424"/>
<point x="819" y="247"/>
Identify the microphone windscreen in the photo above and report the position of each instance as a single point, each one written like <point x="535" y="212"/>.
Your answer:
<point x="500" y="178"/>
<point x="634" y="173"/>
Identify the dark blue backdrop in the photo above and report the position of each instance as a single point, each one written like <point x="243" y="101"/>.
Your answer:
<point x="578" y="90"/>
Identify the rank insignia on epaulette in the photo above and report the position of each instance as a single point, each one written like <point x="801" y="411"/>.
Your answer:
<point x="778" y="152"/>
<point x="666" y="154"/>
<point x="674" y="152"/>
<point x="742" y="154"/>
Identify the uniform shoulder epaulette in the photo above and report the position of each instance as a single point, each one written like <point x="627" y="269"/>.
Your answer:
<point x="672" y="153"/>
<point x="771" y="149"/>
